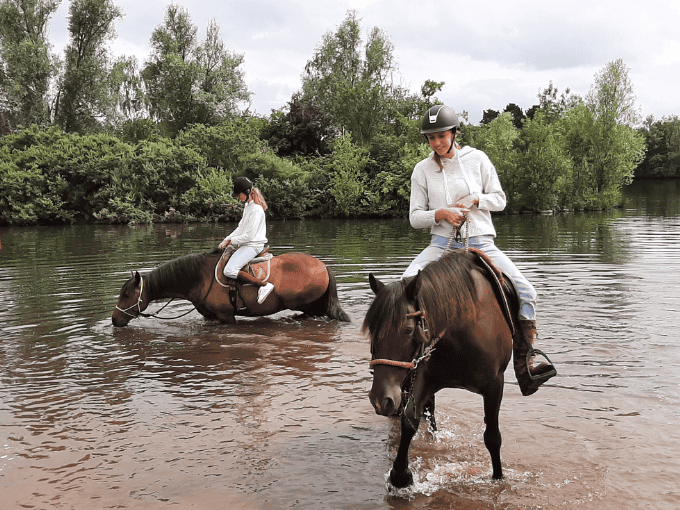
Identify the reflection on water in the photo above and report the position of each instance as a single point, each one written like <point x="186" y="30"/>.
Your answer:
<point x="273" y="412"/>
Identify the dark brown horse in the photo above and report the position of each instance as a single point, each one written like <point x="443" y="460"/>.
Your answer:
<point x="301" y="282"/>
<point x="445" y="328"/>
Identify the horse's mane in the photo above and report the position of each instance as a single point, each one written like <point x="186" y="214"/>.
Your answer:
<point x="446" y="291"/>
<point x="388" y="304"/>
<point x="181" y="273"/>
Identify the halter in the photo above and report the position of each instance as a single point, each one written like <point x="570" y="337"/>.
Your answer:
<point x="422" y="354"/>
<point x="138" y="304"/>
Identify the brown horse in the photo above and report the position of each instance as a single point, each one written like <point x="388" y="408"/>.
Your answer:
<point x="444" y="328"/>
<point x="301" y="282"/>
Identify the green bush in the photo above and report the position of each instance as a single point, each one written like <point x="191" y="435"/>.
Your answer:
<point x="286" y="198"/>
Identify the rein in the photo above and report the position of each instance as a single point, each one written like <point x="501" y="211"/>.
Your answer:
<point x="456" y="235"/>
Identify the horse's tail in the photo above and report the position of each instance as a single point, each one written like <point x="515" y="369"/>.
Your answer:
<point x="333" y="309"/>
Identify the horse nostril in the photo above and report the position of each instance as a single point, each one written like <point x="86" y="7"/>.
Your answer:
<point x="388" y="406"/>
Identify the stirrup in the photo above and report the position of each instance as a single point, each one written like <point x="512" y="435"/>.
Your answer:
<point x="544" y="375"/>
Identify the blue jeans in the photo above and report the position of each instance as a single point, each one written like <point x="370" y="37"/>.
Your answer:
<point x="240" y="258"/>
<point x="527" y="293"/>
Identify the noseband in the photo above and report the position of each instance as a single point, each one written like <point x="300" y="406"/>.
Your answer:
<point x="138" y="304"/>
<point x="422" y="354"/>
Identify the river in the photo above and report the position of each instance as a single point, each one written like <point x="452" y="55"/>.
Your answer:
<point x="273" y="413"/>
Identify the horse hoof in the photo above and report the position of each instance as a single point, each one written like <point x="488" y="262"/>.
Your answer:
<point x="401" y="480"/>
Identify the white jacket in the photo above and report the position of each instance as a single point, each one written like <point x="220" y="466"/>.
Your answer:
<point x="469" y="171"/>
<point x="252" y="229"/>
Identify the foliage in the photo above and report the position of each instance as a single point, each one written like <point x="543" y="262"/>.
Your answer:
<point x="162" y="143"/>
<point x="287" y="197"/>
<point x="224" y="145"/>
<point x="356" y="87"/>
<point x="347" y="182"/>
<point x="662" y="138"/>
<point x="191" y="83"/>
<point x="545" y="164"/>
<point x="264" y="163"/>
<point x="611" y="98"/>
<point x="26" y="65"/>
<point x="84" y="92"/>
<point x="210" y="199"/>
<point x="300" y="129"/>
<point x="498" y="140"/>
<point x="517" y="114"/>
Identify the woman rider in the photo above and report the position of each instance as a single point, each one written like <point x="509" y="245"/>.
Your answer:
<point x="453" y="183"/>
<point x="249" y="238"/>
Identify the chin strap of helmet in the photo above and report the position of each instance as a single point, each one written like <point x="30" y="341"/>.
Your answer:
<point x="453" y="140"/>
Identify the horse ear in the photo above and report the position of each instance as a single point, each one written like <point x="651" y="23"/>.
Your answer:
<point x="137" y="276"/>
<point x="376" y="285"/>
<point x="412" y="288"/>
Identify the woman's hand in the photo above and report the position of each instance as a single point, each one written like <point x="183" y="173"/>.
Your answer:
<point x="454" y="215"/>
<point x="468" y="201"/>
<point x="224" y="244"/>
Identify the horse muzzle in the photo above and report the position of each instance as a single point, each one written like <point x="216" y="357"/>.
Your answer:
<point x="119" y="320"/>
<point x="385" y="400"/>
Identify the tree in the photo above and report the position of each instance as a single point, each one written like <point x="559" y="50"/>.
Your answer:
<point x="128" y="90"/>
<point x="498" y="140"/>
<point x="26" y="65"/>
<point x="662" y="138"/>
<point x="545" y="163"/>
<point x="84" y="99"/>
<point x="357" y="90"/>
<point x="553" y="106"/>
<point x="489" y="116"/>
<point x="517" y="114"/>
<point x="611" y="98"/>
<point x="300" y="129"/>
<point x="191" y="83"/>
<point x="616" y="148"/>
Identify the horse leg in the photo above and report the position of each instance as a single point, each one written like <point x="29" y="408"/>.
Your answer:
<point x="428" y="412"/>
<point x="492" y="434"/>
<point x="400" y="474"/>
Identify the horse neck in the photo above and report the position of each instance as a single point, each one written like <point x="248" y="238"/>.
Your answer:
<point x="178" y="278"/>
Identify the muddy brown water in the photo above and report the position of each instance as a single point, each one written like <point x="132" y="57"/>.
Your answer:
<point x="273" y="413"/>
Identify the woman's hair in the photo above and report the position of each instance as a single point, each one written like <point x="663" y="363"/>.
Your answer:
<point x="258" y="198"/>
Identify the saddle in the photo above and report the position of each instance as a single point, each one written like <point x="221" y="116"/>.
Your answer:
<point x="259" y="267"/>
<point x="505" y="289"/>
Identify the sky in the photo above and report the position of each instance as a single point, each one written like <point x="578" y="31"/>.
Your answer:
<point x="489" y="53"/>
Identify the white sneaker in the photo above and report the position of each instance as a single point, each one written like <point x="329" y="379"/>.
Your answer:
<point x="263" y="292"/>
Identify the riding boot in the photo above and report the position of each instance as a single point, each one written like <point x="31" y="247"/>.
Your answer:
<point x="529" y="377"/>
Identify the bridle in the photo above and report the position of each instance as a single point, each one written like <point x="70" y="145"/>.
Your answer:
<point x="423" y="353"/>
<point x="138" y="304"/>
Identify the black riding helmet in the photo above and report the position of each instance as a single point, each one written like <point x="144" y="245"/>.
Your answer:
<point x="440" y="118"/>
<point x="242" y="185"/>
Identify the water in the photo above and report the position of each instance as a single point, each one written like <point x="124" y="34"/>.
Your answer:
<point x="273" y="413"/>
